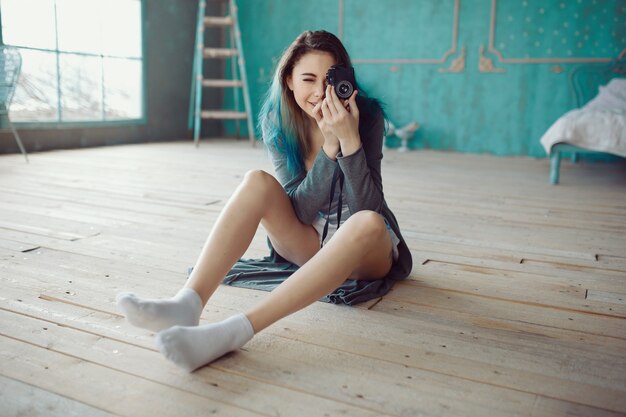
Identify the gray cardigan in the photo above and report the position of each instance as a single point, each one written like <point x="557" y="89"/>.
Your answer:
<point x="310" y="193"/>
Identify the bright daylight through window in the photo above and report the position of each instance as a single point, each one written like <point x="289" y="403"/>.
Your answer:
<point x="81" y="59"/>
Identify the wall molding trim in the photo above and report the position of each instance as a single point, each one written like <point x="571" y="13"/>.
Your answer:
<point x="485" y="64"/>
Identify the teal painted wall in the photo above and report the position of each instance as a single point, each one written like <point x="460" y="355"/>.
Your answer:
<point x="503" y="113"/>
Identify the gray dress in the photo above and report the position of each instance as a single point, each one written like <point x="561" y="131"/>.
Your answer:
<point x="309" y="193"/>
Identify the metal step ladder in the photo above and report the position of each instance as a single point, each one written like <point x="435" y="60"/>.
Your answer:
<point x="238" y="81"/>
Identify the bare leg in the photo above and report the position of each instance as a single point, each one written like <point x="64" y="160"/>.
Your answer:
<point x="360" y="248"/>
<point x="259" y="198"/>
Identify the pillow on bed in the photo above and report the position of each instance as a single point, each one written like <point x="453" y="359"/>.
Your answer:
<point x="611" y="96"/>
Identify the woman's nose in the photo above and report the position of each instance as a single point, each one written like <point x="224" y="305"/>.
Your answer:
<point x="320" y="88"/>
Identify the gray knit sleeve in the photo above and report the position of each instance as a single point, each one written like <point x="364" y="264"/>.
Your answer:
<point x="363" y="185"/>
<point x="309" y="192"/>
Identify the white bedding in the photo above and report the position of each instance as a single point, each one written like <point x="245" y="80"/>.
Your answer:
<point x="598" y="126"/>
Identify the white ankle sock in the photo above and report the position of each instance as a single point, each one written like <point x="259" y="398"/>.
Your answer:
<point x="183" y="309"/>
<point x="192" y="347"/>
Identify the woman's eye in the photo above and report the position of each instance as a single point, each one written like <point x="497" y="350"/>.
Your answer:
<point x="308" y="80"/>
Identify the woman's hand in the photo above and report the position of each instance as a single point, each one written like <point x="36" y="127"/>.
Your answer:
<point x="331" y="144"/>
<point x="342" y="122"/>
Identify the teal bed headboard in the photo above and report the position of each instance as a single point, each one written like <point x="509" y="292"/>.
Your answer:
<point x="585" y="79"/>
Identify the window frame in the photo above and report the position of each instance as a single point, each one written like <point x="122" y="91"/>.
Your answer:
<point x="60" y="124"/>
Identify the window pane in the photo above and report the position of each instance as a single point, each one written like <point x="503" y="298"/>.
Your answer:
<point x="79" y="25"/>
<point x="122" y="88"/>
<point x="28" y="23"/>
<point x="62" y="84"/>
<point x="121" y="31"/>
<point x="36" y="93"/>
<point x="81" y="87"/>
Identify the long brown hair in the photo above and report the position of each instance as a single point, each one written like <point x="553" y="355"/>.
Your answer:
<point x="293" y="122"/>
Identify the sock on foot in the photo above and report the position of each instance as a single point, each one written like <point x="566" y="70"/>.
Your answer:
<point x="193" y="347"/>
<point x="183" y="309"/>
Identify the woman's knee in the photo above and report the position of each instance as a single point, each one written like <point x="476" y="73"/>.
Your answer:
<point x="256" y="176"/>
<point x="259" y="181"/>
<point x="366" y="225"/>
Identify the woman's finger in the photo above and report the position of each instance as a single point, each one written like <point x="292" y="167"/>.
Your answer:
<point x="325" y="110"/>
<point x="354" y="109"/>
<point x="317" y="112"/>
<point x="339" y="104"/>
<point x="330" y="92"/>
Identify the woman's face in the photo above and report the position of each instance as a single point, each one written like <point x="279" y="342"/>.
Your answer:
<point x="308" y="79"/>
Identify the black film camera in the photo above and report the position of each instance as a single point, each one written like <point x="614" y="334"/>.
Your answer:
<point x="342" y="79"/>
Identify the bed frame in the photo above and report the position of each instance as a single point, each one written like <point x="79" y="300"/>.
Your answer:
<point x="583" y="82"/>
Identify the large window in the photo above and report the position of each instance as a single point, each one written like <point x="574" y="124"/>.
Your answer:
<point x="81" y="59"/>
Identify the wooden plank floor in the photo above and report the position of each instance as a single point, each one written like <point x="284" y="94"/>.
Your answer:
<point x="516" y="305"/>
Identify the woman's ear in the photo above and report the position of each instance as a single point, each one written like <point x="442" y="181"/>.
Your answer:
<point x="290" y="82"/>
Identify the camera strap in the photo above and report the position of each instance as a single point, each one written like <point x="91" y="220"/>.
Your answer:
<point x="337" y="178"/>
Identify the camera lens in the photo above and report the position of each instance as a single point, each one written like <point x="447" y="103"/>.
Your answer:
<point x="344" y="89"/>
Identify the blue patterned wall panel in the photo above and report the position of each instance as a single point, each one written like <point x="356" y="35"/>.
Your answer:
<point x="563" y="30"/>
<point x="499" y="101"/>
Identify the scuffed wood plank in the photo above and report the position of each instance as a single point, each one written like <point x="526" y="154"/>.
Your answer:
<point x="102" y="387"/>
<point x="20" y="399"/>
<point x="606" y="297"/>
<point x="144" y="362"/>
